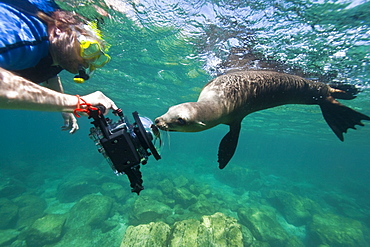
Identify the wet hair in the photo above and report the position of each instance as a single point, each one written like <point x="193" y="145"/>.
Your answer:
<point x="63" y="28"/>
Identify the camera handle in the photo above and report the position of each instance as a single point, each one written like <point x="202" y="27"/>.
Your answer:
<point x="99" y="120"/>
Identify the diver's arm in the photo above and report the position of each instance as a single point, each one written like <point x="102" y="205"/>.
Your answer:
<point x="19" y="93"/>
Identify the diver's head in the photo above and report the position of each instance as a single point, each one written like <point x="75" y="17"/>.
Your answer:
<point x="75" y="44"/>
<point x="92" y="51"/>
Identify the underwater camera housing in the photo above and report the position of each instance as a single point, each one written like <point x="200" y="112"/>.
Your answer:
<point x="125" y="145"/>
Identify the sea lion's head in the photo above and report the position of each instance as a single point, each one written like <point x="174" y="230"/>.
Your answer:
<point x="183" y="118"/>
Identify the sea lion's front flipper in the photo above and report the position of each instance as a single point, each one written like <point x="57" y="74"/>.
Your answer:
<point x="228" y="145"/>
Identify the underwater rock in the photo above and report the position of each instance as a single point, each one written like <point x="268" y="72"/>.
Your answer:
<point x="345" y="205"/>
<point x="184" y="197"/>
<point x="8" y="236"/>
<point x="213" y="230"/>
<point x="91" y="210"/>
<point x="185" y="233"/>
<point x="200" y="189"/>
<point x="240" y="177"/>
<point x="334" y="230"/>
<point x="34" y="180"/>
<point x="147" y="210"/>
<point x="115" y="191"/>
<point x="8" y="213"/>
<point x="158" y="195"/>
<point x="180" y="181"/>
<point x="74" y="190"/>
<point x="155" y="194"/>
<point x="11" y="188"/>
<point x="295" y="209"/>
<point x="262" y="222"/>
<point x="81" y="237"/>
<point x="248" y="238"/>
<point x="30" y="209"/>
<point x="166" y="186"/>
<point x="203" y="206"/>
<point x="45" y="230"/>
<point x="80" y="182"/>
<point x="152" y="234"/>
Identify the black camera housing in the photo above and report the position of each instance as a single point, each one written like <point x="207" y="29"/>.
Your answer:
<point x="125" y="146"/>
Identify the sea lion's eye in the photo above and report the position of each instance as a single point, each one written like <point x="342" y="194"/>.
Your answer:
<point x="181" y="121"/>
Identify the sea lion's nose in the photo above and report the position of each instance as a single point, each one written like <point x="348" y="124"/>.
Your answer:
<point x="160" y="123"/>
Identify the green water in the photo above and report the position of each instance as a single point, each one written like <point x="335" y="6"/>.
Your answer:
<point x="163" y="52"/>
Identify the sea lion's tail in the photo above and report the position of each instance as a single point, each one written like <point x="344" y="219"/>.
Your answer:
<point x="340" y="117"/>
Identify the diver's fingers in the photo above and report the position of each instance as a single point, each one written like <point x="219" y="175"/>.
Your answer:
<point x="98" y="98"/>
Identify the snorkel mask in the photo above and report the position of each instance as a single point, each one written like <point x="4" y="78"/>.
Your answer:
<point x="92" y="52"/>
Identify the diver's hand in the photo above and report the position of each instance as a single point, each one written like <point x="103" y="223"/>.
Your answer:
<point x="70" y="122"/>
<point x="98" y="98"/>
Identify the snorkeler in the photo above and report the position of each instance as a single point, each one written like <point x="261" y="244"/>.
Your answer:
<point x="38" y="40"/>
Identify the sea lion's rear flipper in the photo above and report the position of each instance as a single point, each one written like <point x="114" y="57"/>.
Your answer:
<point x="340" y="117"/>
<point x="228" y="145"/>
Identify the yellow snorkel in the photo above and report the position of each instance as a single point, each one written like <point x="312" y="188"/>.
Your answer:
<point x="82" y="76"/>
<point x="78" y="79"/>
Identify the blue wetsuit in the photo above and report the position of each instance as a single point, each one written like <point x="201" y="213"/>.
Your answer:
<point x="24" y="44"/>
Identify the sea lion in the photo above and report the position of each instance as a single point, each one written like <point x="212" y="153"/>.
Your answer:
<point x="227" y="99"/>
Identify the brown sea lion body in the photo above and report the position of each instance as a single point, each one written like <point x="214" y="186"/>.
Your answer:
<point x="228" y="98"/>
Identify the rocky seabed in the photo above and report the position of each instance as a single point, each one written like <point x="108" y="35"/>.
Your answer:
<point x="238" y="207"/>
